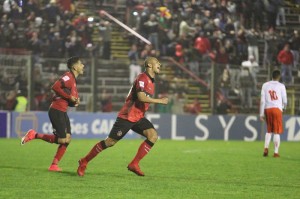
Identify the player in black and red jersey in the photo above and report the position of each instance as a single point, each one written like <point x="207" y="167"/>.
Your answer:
<point x="132" y="116"/>
<point x="66" y="94"/>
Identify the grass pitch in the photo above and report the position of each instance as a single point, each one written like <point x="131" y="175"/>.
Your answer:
<point x="173" y="169"/>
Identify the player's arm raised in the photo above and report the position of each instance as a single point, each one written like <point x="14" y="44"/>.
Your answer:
<point x="146" y="99"/>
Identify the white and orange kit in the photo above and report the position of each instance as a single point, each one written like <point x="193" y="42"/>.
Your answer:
<point x="273" y="101"/>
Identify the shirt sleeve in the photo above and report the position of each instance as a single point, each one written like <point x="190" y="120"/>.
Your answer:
<point x="62" y="87"/>
<point x="262" y="102"/>
<point x="141" y="84"/>
<point x="284" y="97"/>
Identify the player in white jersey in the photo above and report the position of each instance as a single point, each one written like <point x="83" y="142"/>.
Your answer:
<point x="272" y="103"/>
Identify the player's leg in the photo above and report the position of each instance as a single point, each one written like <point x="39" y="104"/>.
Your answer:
<point x="32" y="134"/>
<point x="268" y="136"/>
<point x="143" y="127"/>
<point x="119" y="130"/>
<point x="62" y="130"/>
<point x="278" y="129"/>
<point x="276" y="141"/>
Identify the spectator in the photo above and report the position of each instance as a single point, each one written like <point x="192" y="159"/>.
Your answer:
<point x="178" y="103"/>
<point x="106" y="101"/>
<point x="252" y="37"/>
<point x="152" y="28"/>
<point x="134" y="67"/>
<point x="246" y="88"/>
<point x="35" y="45"/>
<point x="179" y="53"/>
<point x="193" y="108"/>
<point x="52" y="12"/>
<point x="202" y="44"/>
<point x="281" y="14"/>
<point x="286" y="59"/>
<point x="10" y="100"/>
<point x="222" y="61"/>
<point x="295" y="47"/>
<point x="272" y="11"/>
<point x="55" y="48"/>
<point x="270" y="48"/>
<point x="223" y="106"/>
<point x="21" y="102"/>
<point x="80" y="22"/>
<point x="258" y="14"/>
<point x="184" y="28"/>
<point x="105" y="32"/>
<point x="253" y="68"/>
<point x="224" y="83"/>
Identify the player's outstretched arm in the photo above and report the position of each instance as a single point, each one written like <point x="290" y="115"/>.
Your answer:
<point x="146" y="99"/>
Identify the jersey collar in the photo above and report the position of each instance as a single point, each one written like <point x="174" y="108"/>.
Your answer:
<point x="152" y="79"/>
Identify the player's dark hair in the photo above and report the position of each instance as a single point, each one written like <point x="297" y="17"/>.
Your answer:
<point x="276" y="74"/>
<point x="71" y="61"/>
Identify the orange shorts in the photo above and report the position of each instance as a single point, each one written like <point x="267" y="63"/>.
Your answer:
<point x="274" y="120"/>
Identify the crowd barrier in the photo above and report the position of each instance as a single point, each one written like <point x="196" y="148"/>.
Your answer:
<point x="169" y="126"/>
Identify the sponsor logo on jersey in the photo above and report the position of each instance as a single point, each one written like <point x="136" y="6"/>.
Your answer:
<point x="142" y="84"/>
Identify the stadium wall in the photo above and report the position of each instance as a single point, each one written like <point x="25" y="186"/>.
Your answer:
<point x="175" y="127"/>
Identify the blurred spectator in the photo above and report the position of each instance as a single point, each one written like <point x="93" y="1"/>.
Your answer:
<point x="193" y="60"/>
<point x="52" y="12"/>
<point x="295" y="47"/>
<point x="178" y="103"/>
<point x="184" y="28"/>
<point x="56" y="47"/>
<point x="280" y="18"/>
<point x="106" y="101"/>
<point x="105" y="32"/>
<point x="152" y="28"/>
<point x="241" y="42"/>
<point x="7" y="6"/>
<point x="202" y="44"/>
<point x="179" y="53"/>
<point x="223" y="106"/>
<point x="247" y="13"/>
<point x="224" y="83"/>
<point x="134" y="68"/>
<point x="10" y="100"/>
<point x="258" y="14"/>
<point x="80" y="22"/>
<point x="252" y="37"/>
<point x="270" y="47"/>
<point x="246" y="88"/>
<point x="193" y="108"/>
<point x="21" y="102"/>
<point x="253" y="68"/>
<point x="35" y="45"/>
<point x="286" y="59"/>
<point x="222" y="61"/>
<point x="147" y="51"/>
<point x="272" y="7"/>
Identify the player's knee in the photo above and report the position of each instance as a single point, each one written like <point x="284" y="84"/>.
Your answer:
<point x="151" y="135"/>
<point x="109" y="142"/>
<point x="68" y="139"/>
<point x="62" y="140"/>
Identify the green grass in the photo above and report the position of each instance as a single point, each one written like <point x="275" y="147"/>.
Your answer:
<point x="173" y="169"/>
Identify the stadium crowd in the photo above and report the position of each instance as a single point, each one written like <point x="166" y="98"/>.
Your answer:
<point x="195" y="33"/>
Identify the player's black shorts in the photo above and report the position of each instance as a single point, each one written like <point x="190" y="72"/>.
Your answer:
<point x="60" y="122"/>
<point x="121" y="127"/>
